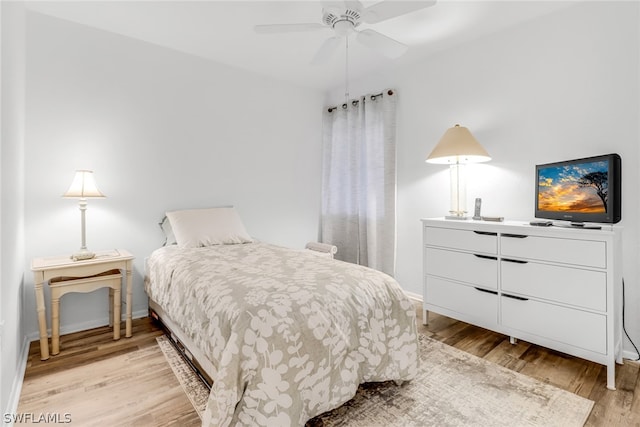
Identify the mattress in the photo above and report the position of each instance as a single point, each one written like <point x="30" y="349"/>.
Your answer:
<point x="286" y="335"/>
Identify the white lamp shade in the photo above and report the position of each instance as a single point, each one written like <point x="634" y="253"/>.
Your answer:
<point x="83" y="186"/>
<point x="457" y="145"/>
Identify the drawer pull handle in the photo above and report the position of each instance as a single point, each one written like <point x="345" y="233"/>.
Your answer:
<point x="487" y="291"/>
<point x="486" y="233"/>
<point x="495" y="258"/>
<point x="515" y="236"/>
<point x="517" y="261"/>
<point x="515" y="297"/>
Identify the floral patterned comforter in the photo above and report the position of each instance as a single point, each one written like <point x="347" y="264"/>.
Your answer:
<point x="291" y="334"/>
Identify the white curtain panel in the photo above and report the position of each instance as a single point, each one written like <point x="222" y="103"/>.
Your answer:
<point x="359" y="181"/>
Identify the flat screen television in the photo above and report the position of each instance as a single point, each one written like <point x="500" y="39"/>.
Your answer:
<point x="581" y="190"/>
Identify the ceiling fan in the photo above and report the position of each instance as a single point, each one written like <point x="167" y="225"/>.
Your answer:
<point x="344" y="17"/>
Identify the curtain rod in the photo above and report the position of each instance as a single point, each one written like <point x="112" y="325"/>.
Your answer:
<point x="356" y="101"/>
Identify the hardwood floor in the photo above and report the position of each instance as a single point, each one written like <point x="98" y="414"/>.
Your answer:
<point x="95" y="380"/>
<point x="101" y="382"/>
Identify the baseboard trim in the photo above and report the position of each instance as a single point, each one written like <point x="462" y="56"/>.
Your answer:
<point x="83" y="326"/>
<point x="629" y="355"/>
<point x="139" y="314"/>
<point x="413" y="296"/>
<point x="16" y="388"/>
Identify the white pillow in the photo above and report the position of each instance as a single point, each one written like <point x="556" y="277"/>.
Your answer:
<point x="195" y="228"/>
<point x="169" y="238"/>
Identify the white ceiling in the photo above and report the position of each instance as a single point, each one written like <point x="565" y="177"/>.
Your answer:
<point x="223" y="31"/>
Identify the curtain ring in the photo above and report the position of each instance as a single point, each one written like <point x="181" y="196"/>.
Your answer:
<point x="344" y="106"/>
<point x="354" y="102"/>
<point x="390" y="92"/>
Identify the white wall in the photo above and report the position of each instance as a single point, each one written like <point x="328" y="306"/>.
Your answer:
<point x="162" y="130"/>
<point x="558" y="87"/>
<point x="11" y="201"/>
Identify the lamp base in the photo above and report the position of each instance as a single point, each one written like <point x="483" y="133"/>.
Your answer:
<point x="82" y="254"/>
<point x="456" y="217"/>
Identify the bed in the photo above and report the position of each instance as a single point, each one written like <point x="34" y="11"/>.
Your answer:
<point x="284" y="334"/>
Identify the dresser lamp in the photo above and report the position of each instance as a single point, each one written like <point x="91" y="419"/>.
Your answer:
<point x="83" y="187"/>
<point x="456" y="148"/>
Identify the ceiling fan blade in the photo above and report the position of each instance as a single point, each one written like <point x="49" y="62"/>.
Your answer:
<point x="388" y="46"/>
<point x="287" y="28"/>
<point x="332" y="6"/>
<point x="354" y="5"/>
<point x="388" y="9"/>
<point x="326" y="51"/>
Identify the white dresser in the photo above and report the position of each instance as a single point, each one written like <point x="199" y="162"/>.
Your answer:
<point x="553" y="286"/>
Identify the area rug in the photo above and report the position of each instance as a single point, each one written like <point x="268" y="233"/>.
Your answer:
<point x="193" y="387"/>
<point x="453" y="388"/>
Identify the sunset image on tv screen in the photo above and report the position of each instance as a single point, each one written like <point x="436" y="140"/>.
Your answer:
<point x="581" y="187"/>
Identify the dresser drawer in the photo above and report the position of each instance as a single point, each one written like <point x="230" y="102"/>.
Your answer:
<point x="467" y="240"/>
<point x="564" y="325"/>
<point x="567" y="285"/>
<point x="473" y="304"/>
<point x="586" y="253"/>
<point x="481" y="270"/>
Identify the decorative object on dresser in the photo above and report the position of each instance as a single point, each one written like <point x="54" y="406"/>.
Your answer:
<point x="555" y="287"/>
<point x="105" y="269"/>
<point x="456" y="148"/>
<point x="477" y="208"/>
<point x="83" y="187"/>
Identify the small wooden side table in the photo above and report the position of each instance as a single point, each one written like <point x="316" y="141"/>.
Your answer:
<point x="65" y="275"/>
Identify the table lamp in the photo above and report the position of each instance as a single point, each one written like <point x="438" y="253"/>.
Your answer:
<point x="456" y="148"/>
<point x="83" y="187"/>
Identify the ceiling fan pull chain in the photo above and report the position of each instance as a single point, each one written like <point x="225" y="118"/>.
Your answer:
<point x="346" y="70"/>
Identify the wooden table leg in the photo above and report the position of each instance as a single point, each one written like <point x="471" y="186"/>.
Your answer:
<point x="111" y="306"/>
<point x="129" y="300"/>
<point x="42" y="321"/>
<point x="116" y="313"/>
<point x="55" y="322"/>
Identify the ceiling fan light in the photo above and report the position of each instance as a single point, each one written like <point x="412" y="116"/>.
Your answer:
<point x="343" y="28"/>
